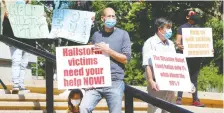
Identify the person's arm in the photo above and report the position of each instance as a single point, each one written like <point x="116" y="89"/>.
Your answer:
<point x="154" y="85"/>
<point x="118" y="56"/>
<point x="179" y="39"/>
<point x="123" y="57"/>
<point x="179" y="42"/>
<point x="147" y="63"/>
<point x="115" y="55"/>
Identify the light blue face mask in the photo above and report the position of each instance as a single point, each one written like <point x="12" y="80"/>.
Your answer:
<point x="168" y="33"/>
<point x="109" y="23"/>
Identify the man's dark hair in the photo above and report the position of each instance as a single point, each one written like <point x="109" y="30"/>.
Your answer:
<point x="161" y="22"/>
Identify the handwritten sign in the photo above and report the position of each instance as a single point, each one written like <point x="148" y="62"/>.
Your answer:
<point x="82" y="67"/>
<point x="73" y="25"/>
<point x="171" y="72"/>
<point x="197" y="42"/>
<point x="27" y="21"/>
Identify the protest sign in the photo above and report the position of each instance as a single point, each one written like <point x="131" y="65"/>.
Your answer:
<point x="73" y="25"/>
<point x="197" y="42"/>
<point x="171" y="71"/>
<point x="82" y="67"/>
<point x="27" y="21"/>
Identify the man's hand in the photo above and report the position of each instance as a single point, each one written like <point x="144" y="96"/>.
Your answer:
<point x="154" y="85"/>
<point x="179" y="42"/>
<point x="93" y="18"/>
<point x="181" y="47"/>
<point x="115" y="55"/>
<point x="102" y="47"/>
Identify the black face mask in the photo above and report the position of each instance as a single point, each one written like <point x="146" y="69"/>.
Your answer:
<point x="195" y="18"/>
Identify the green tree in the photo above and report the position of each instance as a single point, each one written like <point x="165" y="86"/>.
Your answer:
<point x="217" y="31"/>
<point x="211" y="74"/>
<point x="209" y="79"/>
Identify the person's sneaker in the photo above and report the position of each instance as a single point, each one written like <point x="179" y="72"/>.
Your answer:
<point x="198" y="103"/>
<point x="15" y="90"/>
<point x="178" y="101"/>
<point x="55" y="76"/>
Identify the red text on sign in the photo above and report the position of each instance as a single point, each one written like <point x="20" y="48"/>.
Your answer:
<point x="82" y="61"/>
<point x="170" y="67"/>
<point x="171" y="75"/>
<point x="177" y="67"/>
<point x="80" y="51"/>
<point x="159" y="66"/>
<point x="167" y="58"/>
<point x="72" y="82"/>
<point x="174" y="83"/>
<point x="74" y="72"/>
<point x="93" y="80"/>
<point x="156" y="57"/>
<point x="179" y="60"/>
<point x="94" y="71"/>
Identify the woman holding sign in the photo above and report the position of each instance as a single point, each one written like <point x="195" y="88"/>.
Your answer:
<point x="193" y="63"/>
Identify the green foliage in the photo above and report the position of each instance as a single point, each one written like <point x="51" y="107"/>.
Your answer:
<point x="44" y="43"/>
<point x="209" y="79"/>
<point x="134" y="75"/>
<point x="40" y="66"/>
<point x="211" y="75"/>
<point x="217" y="31"/>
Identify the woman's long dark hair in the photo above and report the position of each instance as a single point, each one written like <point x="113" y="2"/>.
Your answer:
<point x="71" y="94"/>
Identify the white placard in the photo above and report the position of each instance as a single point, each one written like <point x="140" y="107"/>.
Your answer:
<point x="82" y="67"/>
<point x="27" y="21"/>
<point x="197" y="42"/>
<point x="171" y="71"/>
<point x="73" y="25"/>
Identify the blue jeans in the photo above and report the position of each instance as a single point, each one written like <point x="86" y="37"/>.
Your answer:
<point x="19" y="65"/>
<point x="113" y="96"/>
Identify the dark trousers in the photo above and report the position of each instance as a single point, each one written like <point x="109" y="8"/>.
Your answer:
<point x="194" y="68"/>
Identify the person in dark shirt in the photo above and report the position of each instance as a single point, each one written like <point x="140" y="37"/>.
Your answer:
<point x="193" y="63"/>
